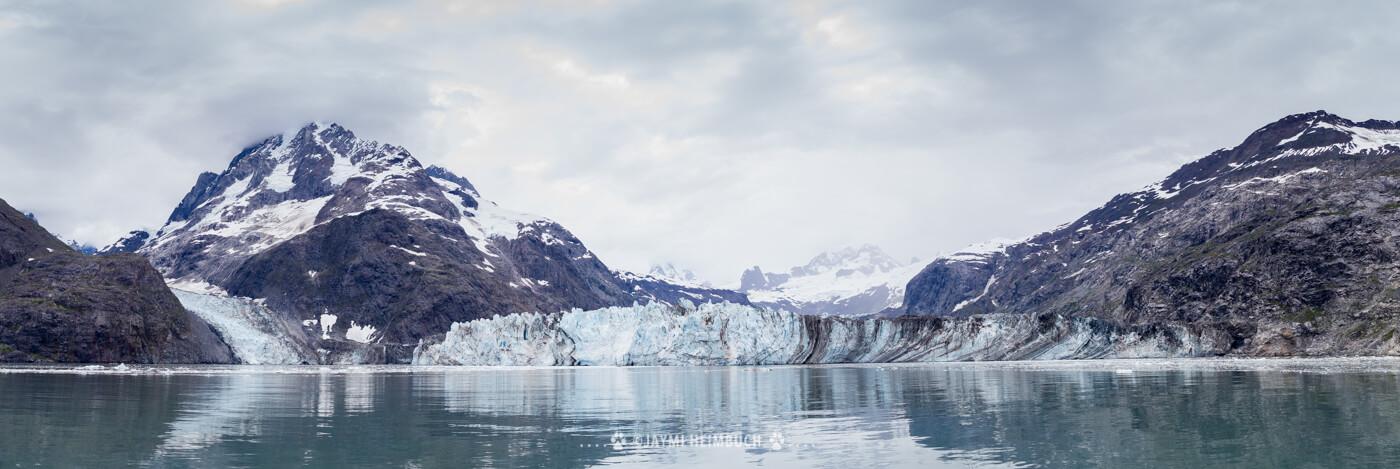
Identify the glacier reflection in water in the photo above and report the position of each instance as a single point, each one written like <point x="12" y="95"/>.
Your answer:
<point x="1251" y="413"/>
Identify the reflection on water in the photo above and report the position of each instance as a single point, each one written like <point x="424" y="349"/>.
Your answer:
<point x="915" y="416"/>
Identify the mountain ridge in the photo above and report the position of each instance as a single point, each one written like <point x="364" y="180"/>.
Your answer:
<point x="1282" y="240"/>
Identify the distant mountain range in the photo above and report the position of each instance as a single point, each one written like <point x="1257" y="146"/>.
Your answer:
<point x="850" y="282"/>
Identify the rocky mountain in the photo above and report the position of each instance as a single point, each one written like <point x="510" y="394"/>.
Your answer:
<point x="58" y="305"/>
<point x="356" y="244"/>
<point x="1286" y="243"/>
<point x="849" y="282"/>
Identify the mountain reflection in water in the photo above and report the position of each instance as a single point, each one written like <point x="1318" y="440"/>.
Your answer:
<point x="1089" y="414"/>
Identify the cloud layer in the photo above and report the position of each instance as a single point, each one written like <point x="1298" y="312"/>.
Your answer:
<point x="716" y="135"/>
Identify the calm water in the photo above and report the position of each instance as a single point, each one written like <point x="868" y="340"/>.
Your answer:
<point x="1197" y="414"/>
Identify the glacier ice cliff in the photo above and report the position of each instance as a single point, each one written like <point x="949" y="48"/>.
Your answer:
<point x="708" y="334"/>
<point x="256" y="334"/>
<point x="729" y="334"/>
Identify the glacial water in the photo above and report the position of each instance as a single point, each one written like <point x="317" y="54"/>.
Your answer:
<point x="1112" y="414"/>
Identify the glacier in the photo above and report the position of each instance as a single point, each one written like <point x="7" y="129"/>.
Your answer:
<point x="731" y="334"/>
<point x="257" y="335"/>
<point x="709" y="334"/>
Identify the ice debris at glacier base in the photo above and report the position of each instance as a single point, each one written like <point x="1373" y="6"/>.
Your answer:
<point x="729" y="334"/>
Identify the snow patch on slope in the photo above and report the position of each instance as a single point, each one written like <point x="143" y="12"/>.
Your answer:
<point x="271" y="224"/>
<point x="983" y="251"/>
<point x="487" y="220"/>
<point x="1364" y="140"/>
<point x="1282" y="179"/>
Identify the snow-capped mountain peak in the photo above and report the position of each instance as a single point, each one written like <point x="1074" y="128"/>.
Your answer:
<point x="865" y="259"/>
<point x="286" y="184"/>
<point x="855" y="280"/>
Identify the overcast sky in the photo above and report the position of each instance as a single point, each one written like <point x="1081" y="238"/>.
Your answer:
<point x="716" y="135"/>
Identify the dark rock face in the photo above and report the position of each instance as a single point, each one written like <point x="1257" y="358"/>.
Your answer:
<point x="756" y="279"/>
<point x="57" y="305"/>
<point x="410" y="280"/>
<point x="1287" y="239"/>
<point x="22" y="238"/>
<point x="753" y="279"/>
<point x="201" y="192"/>
<point x="948" y="285"/>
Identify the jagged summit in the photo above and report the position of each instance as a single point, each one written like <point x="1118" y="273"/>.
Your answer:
<point x="286" y="184"/>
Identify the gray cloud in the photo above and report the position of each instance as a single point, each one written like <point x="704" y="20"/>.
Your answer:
<point x="713" y="134"/>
